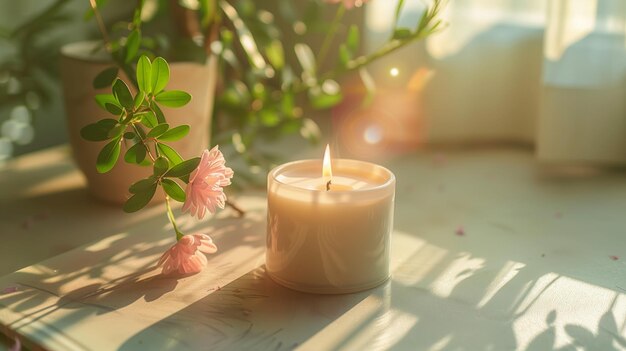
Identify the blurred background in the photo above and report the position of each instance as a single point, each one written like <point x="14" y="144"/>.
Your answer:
<point x="546" y="74"/>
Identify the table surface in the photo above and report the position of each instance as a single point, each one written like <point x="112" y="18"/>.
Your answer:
<point x="490" y="251"/>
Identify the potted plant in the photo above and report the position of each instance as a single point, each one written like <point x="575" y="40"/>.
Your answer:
<point x="136" y="120"/>
<point x="263" y="86"/>
<point x="88" y="70"/>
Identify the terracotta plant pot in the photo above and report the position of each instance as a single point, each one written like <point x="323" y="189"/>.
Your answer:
<point x="79" y="66"/>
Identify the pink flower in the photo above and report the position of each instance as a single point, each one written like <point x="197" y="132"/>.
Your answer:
<point x="205" y="189"/>
<point x="348" y="3"/>
<point x="186" y="256"/>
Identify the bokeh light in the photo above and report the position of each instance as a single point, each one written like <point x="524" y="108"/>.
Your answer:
<point x="20" y="114"/>
<point x="373" y="134"/>
<point x="392" y="122"/>
<point x="6" y="148"/>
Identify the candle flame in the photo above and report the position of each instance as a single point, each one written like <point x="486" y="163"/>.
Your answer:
<point x="327" y="171"/>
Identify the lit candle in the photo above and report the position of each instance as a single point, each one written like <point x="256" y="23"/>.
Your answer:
<point x="329" y="225"/>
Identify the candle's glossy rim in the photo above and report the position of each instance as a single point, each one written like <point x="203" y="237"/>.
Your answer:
<point x="389" y="182"/>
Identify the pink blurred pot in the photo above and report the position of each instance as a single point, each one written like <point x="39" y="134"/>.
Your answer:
<point x="79" y="66"/>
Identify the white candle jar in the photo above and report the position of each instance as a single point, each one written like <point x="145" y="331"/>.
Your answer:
<point x="334" y="241"/>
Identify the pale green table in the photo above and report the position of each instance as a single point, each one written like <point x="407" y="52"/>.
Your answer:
<point x="532" y="271"/>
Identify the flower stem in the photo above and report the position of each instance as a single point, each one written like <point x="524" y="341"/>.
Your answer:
<point x="170" y="216"/>
<point x="143" y="141"/>
<point x="107" y="43"/>
<point x="330" y="35"/>
<point x="101" y="26"/>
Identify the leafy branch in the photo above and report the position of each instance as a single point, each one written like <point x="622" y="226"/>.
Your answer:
<point x="262" y="95"/>
<point x="140" y="127"/>
<point x="122" y="52"/>
<point x="401" y="37"/>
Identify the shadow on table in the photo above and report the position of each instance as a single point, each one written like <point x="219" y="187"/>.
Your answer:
<point x="254" y="313"/>
<point x="58" y="222"/>
<point x="251" y="312"/>
<point x="451" y="293"/>
<point x="92" y="280"/>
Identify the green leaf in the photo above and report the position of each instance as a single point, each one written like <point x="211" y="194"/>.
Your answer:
<point x="306" y="58"/>
<point x="117" y="131"/>
<point x="397" y="13"/>
<point x="175" y="133"/>
<point x="142" y="185"/>
<point x="352" y="41"/>
<point x="269" y="118"/>
<point x="148" y="119"/>
<point x="122" y="94"/>
<point x="291" y="126"/>
<point x="173" y="98"/>
<point x="113" y="109"/>
<point x="158" y="130"/>
<point x="92" y="132"/>
<point x="170" y="153"/>
<point x="107" y="122"/>
<point x="98" y="131"/>
<point x="161" y="165"/>
<point x="160" y="75"/>
<point x="108" y="156"/>
<point x="160" y="117"/>
<point x="132" y="45"/>
<point x="245" y="36"/>
<point x="144" y="74"/>
<point x="138" y="99"/>
<point x="344" y="55"/>
<point x="140" y="199"/>
<point x="207" y="11"/>
<point x="184" y="168"/>
<point x="173" y="190"/>
<point x="423" y="22"/>
<point x="401" y="33"/>
<point x="275" y="54"/>
<point x="288" y="104"/>
<point x="321" y="100"/>
<point x="105" y="78"/>
<point x="146" y="163"/>
<point x="129" y="135"/>
<point x="135" y="154"/>
<point x="185" y="179"/>
<point x="434" y="27"/>
<point x="103" y="99"/>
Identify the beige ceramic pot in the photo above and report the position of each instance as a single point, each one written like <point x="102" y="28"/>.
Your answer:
<point x="79" y="66"/>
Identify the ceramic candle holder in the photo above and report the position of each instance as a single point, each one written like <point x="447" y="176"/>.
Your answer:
<point x="329" y="241"/>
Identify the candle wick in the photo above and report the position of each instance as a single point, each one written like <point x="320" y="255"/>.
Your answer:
<point x="328" y="186"/>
